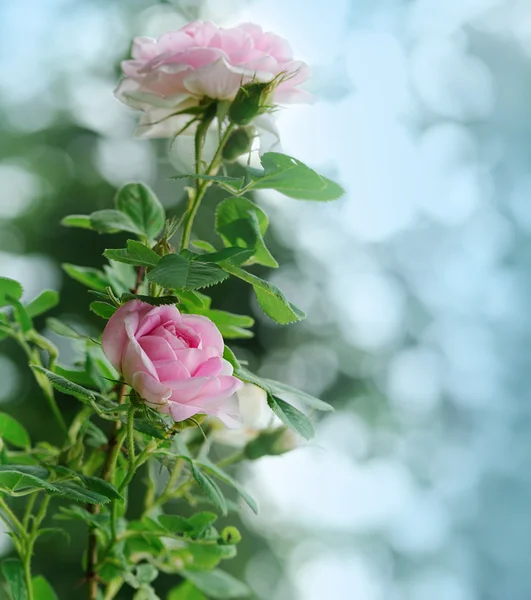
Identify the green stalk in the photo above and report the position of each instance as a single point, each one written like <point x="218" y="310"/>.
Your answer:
<point x="202" y="187"/>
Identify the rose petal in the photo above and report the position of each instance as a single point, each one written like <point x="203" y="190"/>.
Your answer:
<point x="115" y="337"/>
<point x="207" y="331"/>
<point x="150" y="389"/>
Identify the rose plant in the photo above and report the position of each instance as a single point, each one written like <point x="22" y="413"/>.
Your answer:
<point x="159" y="388"/>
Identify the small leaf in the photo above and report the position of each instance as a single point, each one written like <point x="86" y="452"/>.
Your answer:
<point x="267" y="443"/>
<point x="76" y="492"/>
<point x="291" y="417"/>
<point x="186" y="591"/>
<point x="143" y="207"/>
<point x="218" y="584"/>
<point x="21" y="316"/>
<point x="229" y="356"/>
<point x="66" y="386"/>
<point x="42" y="303"/>
<point x="291" y="394"/>
<point x="231" y="326"/>
<point x="175" y="271"/>
<point x="293" y="178"/>
<point x="42" y="590"/>
<point x="14" y="574"/>
<point x="82" y="221"/>
<point x="154" y="301"/>
<point x="203" y="245"/>
<point x="11" y="288"/>
<point x="102" y="309"/>
<point x="210" y="467"/>
<point x="136" y="253"/>
<point x="24" y="479"/>
<point x="13" y="432"/>
<point x="209" y="487"/>
<point x="241" y="223"/>
<point x="87" y="276"/>
<point x="270" y="298"/>
<point x="236" y="255"/>
<point x="111" y="221"/>
<point x="63" y="329"/>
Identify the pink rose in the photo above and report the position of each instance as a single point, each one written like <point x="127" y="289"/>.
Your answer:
<point x="202" y="60"/>
<point x="173" y="361"/>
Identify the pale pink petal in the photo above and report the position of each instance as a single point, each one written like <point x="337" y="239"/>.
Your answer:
<point x="210" y="368"/>
<point x="181" y="412"/>
<point x="186" y="334"/>
<point x="144" y="48"/>
<point x="150" y="389"/>
<point x="192" y="358"/>
<point x="227" y="368"/>
<point x="207" y="331"/>
<point x="186" y="390"/>
<point x="157" y="348"/>
<point x="136" y="360"/>
<point x="171" y="371"/>
<point x="216" y="80"/>
<point x="115" y="337"/>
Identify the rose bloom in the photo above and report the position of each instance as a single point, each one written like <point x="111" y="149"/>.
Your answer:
<point x="173" y="361"/>
<point x="202" y="60"/>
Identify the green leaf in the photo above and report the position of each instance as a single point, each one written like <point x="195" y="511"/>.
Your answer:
<point x="19" y="480"/>
<point x="82" y="221"/>
<point x="11" y="288"/>
<point x="74" y="491"/>
<point x="87" y="276"/>
<point x="112" y="221"/>
<point x="143" y="207"/>
<point x="63" y="329"/>
<point x="291" y="417"/>
<point x="236" y="255"/>
<point x="230" y="325"/>
<point x="136" y="253"/>
<point x="241" y="223"/>
<point x="14" y="574"/>
<point x="186" y="591"/>
<point x="282" y="390"/>
<point x="209" y="487"/>
<point x="13" y="432"/>
<point x="270" y="298"/>
<point x="154" y="301"/>
<point x="291" y="394"/>
<point x="204" y="245"/>
<point x="229" y="356"/>
<point x="21" y="316"/>
<point x="175" y="271"/>
<point x="66" y="386"/>
<point x="42" y="303"/>
<point x="102" y="487"/>
<point x="42" y="590"/>
<point x="267" y="443"/>
<point x="102" y="309"/>
<point x="210" y="467"/>
<point x="195" y="300"/>
<point x="218" y="584"/>
<point x="293" y="178"/>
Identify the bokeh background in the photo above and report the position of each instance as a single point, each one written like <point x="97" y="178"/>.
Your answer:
<point x="416" y="283"/>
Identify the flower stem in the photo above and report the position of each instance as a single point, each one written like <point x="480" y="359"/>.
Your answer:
<point x="202" y="187"/>
<point x="116" y="439"/>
